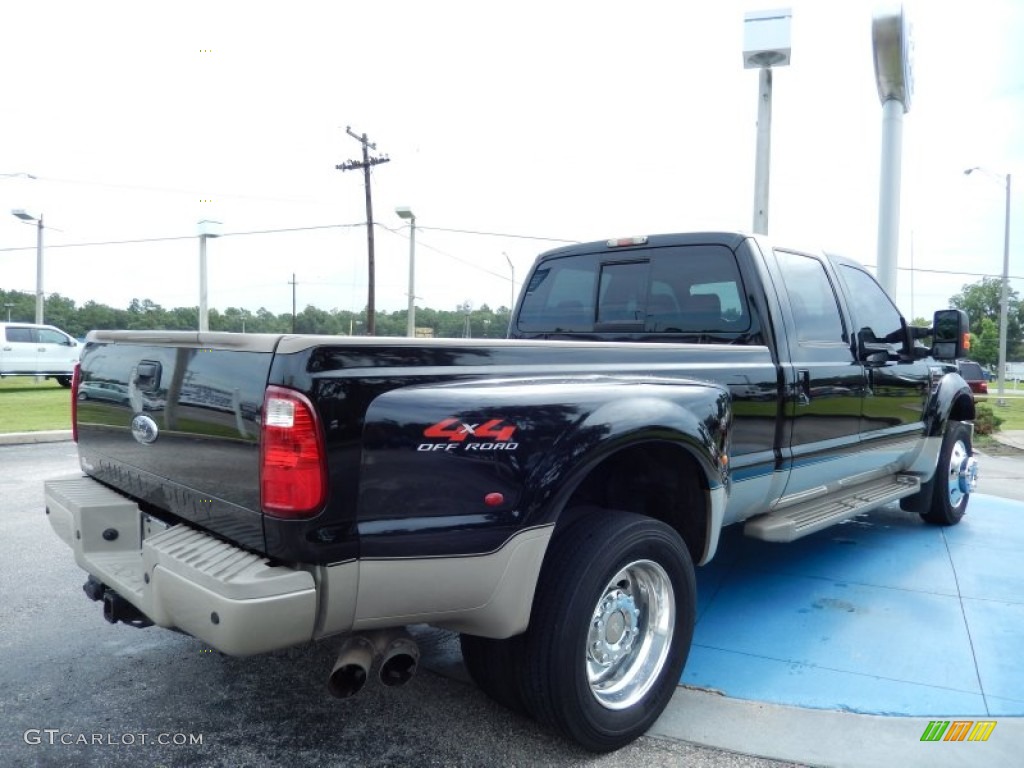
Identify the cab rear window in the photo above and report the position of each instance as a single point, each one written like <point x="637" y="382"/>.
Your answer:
<point x="971" y="371"/>
<point x="672" y="290"/>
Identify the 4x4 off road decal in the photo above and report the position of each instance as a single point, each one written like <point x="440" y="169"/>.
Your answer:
<point x="456" y="435"/>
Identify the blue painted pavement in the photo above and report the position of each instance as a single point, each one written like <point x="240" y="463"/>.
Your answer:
<point x="883" y="614"/>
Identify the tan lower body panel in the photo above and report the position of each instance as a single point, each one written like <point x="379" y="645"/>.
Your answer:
<point x="489" y="595"/>
<point x="236" y="602"/>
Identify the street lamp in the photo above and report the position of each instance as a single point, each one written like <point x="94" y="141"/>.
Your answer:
<point x="25" y="216"/>
<point x="207" y="228"/>
<point x="406" y="213"/>
<point x="1005" y="289"/>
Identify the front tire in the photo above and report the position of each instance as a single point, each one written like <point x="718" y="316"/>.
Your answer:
<point x="64" y="381"/>
<point x="954" y="478"/>
<point x="611" y="627"/>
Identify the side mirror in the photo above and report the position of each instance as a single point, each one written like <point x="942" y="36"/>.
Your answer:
<point x="951" y="337"/>
<point x="872" y="351"/>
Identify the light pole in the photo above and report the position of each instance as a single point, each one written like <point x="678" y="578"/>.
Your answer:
<point x="8" y="311"/>
<point x="406" y="213"/>
<point x="765" y="45"/>
<point x="207" y="228"/>
<point x="25" y="216"/>
<point x="1004" y="292"/>
<point x="511" y="306"/>
<point x="512" y="268"/>
<point x="892" y="46"/>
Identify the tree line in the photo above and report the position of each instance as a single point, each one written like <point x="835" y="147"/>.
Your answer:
<point x="144" y="314"/>
<point x="979" y="300"/>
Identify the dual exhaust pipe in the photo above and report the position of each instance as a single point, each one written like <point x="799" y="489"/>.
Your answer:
<point x="397" y="652"/>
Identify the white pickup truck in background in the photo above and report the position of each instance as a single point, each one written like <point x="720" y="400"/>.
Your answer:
<point x="27" y="349"/>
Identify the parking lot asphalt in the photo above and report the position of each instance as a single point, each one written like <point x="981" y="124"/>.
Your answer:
<point x="840" y="649"/>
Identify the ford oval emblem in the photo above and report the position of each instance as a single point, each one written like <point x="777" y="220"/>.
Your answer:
<point x="144" y="429"/>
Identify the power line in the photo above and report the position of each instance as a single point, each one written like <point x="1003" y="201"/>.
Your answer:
<point x="474" y="232"/>
<point x="50" y="246"/>
<point x="504" y="234"/>
<point x="950" y="272"/>
<point x="421" y="244"/>
<point x="175" y="191"/>
<point x="282" y="230"/>
<point x="188" y="237"/>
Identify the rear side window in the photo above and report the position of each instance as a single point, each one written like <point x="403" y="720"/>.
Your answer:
<point x="971" y="371"/>
<point x="675" y="289"/>
<point x="811" y="299"/>
<point x="20" y="334"/>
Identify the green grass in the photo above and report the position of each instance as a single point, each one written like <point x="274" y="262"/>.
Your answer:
<point x="1012" y="413"/>
<point x="27" y="406"/>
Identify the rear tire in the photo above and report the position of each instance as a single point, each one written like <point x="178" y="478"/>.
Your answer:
<point x="611" y="627"/>
<point x="496" y="668"/>
<point x="951" y="485"/>
<point x="64" y="381"/>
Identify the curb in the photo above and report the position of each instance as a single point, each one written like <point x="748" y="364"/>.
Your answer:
<point x="27" y="438"/>
<point x="1013" y="438"/>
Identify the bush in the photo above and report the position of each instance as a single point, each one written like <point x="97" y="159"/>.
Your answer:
<point x="986" y="421"/>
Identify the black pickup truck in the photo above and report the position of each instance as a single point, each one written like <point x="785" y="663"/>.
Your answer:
<point x="546" y="496"/>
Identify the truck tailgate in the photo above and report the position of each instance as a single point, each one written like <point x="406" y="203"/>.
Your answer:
<point x="173" y="418"/>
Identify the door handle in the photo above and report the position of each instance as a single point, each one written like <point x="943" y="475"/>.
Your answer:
<point x="803" y="396"/>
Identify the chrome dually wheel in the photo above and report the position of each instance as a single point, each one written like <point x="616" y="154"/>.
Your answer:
<point x="630" y="634"/>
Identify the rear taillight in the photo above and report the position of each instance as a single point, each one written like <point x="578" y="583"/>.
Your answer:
<point x="293" y="472"/>
<point x="76" y="379"/>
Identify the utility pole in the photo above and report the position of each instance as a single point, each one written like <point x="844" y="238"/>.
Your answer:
<point x="365" y="165"/>
<point x="292" y="284"/>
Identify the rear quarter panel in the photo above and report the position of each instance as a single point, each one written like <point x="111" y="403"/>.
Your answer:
<point x="484" y="460"/>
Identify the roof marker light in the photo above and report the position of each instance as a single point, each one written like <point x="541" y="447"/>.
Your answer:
<point x="625" y="241"/>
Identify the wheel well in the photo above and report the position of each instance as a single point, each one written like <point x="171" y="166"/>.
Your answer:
<point x="963" y="409"/>
<point x="659" y="480"/>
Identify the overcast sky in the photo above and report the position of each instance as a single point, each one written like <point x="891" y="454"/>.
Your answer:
<point x="558" y="119"/>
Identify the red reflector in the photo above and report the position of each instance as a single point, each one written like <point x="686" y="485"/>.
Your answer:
<point x="293" y="473"/>
<point x="494" y="499"/>
<point x="76" y="379"/>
